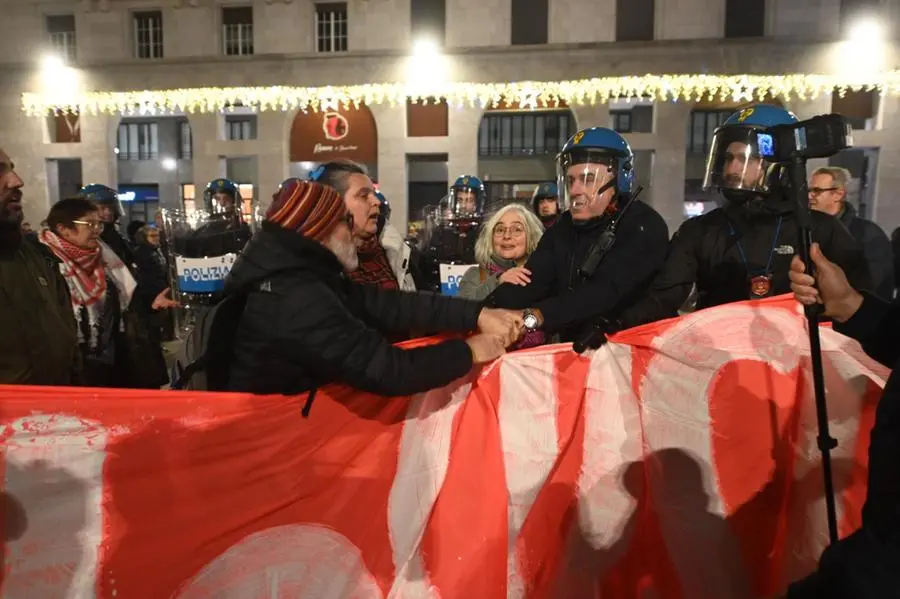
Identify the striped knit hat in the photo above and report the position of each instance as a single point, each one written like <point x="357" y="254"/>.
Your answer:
<point x="311" y="209"/>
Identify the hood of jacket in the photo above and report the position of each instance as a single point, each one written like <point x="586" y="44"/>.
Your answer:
<point x="274" y="250"/>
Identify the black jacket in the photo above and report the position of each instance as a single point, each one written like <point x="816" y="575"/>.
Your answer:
<point x="568" y="302"/>
<point x="877" y="248"/>
<point x="306" y="325"/>
<point x="111" y="237"/>
<point x="866" y="565"/>
<point x="705" y="252"/>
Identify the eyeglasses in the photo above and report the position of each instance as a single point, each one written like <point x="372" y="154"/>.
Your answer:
<point x="93" y="225"/>
<point x="814" y="191"/>
<point x="514" y="231"/>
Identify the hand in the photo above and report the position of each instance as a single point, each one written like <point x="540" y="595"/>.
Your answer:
<point x="486" y="347"/>
<point x="163" y="302"/>
<point x="506" y="324"/>
<point x="517" y="275"/>
<point x="829" y="287"/>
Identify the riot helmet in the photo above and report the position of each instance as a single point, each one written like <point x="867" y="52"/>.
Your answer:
<point x="222" y="196"/>
<point x="467" y="197"/>
<point x="734" y="164"/>
<point x="595" y="168"/>
<point x="106" y="199"/>
<point x="545" y="202"/>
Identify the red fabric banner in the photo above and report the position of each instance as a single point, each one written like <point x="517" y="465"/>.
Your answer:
<point x="677" y="462"/>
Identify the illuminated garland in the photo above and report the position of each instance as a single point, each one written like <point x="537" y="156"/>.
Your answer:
<point x="527" y="94"/>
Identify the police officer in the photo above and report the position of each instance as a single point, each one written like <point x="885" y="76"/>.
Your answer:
<point x="225" y="232"/>
<point x="545" y="203"/>
<point x="566" y="293"/>
<point x="458" y="222"/>
<point x="111" y="212"/>
<point x="743" y="249"/>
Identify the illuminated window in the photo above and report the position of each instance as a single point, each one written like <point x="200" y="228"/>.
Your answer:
<point x="187" y="198"/>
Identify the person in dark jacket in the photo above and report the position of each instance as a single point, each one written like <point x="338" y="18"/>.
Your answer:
<point x="596" y="170"/>
<point x="38" y="342"/>
<point x="107" y="201"/>
<point x="742" y="250"/>
<point x="865" y="565"/>
<point x="828" y="194"/>
<point x="305" y="324"/>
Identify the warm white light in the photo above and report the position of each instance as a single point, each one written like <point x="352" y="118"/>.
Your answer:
<point x="425" y="47"/>
<point x="867" y="31"/>
<point x="169" y="164"/>
<point x="52" y="63"/>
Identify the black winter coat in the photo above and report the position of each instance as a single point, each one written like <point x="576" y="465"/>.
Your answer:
<point x="569" y="303"/>
<point x="705" y="252"/>
<point x="877" y="248"/>
<point x="866" y="565"/>
<point x="306" y="325"/>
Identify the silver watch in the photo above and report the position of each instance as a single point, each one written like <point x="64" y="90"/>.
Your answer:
<point x="530" y="319"/>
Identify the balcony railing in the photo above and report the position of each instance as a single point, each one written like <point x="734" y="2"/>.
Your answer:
<point x="63" y="44"/>
<point x="237" y="39"/>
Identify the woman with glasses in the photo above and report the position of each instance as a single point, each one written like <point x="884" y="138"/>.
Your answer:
<point x="114" y="339"/>
<point x="503" y="246"/>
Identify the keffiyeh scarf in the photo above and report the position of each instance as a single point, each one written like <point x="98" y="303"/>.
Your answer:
<point x="87" y="273"/>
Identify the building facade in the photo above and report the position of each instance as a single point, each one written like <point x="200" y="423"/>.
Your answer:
<point x="414" y="150"/>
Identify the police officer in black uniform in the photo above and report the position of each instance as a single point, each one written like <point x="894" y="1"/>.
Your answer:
<point x="742" y="250"/>
<point x="226" y="232"/>
<point x="567" y="293"/>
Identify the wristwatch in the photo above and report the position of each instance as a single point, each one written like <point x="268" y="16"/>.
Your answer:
<point x="530" y="320"/>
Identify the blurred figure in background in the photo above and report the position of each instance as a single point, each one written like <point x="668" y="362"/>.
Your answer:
<point x="545" y="203"/>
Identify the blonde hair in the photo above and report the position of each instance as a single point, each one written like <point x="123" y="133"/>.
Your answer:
<point x="484" y="245"/>
<point x="840" y="176"/>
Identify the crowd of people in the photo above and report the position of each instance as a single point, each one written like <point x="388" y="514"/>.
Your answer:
<point x="327" y="286"/>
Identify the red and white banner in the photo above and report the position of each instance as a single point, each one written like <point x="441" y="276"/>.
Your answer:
<point x="677" y="462"/>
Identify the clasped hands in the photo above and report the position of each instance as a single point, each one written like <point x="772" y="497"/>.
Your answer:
<point x="497" y="330"/>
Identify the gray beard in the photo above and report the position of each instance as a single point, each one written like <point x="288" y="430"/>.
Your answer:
<point x="344" y="252"/>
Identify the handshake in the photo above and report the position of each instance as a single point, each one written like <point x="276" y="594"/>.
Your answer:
<point x="497" y="330"/>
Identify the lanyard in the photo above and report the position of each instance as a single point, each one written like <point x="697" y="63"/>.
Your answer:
<point x="740" y="247"/>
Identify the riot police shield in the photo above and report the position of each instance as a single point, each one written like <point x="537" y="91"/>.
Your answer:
<point x="451" y="248"/>
<point x="201" y="248"/>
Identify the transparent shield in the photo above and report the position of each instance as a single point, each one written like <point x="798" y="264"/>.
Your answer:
<point x="584" y="184"/>
<point x="734" y="161"/>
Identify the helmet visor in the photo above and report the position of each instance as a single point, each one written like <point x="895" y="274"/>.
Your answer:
<point x="222" y="201"/>
<point x="583" y="178"/>
<point x="466" y="202"/>
<point x="734" y="161"/>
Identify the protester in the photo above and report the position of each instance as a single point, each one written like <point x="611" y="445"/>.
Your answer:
<point x="118" y="347"/>
<point x="742" y="250"/>
<point x="504" y="244"/>
<point x="597" y="168"/>
<point x="865" y="565"/>
<point x="305" y="324"/>
<point x="828" y="194"/>
<point x="110" y="210"/>
<point x="38" y="344"/>
<point x="384" y="258"/>
<point x="545" y="203"/>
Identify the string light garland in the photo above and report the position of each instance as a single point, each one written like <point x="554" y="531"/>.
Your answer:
<point x="526" y="94"/>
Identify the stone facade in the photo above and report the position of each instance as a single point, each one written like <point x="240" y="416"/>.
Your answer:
<point x="801" y="37"/>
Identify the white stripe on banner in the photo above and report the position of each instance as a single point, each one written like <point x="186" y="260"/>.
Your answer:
<point x="422" y="465"/>
<point x="529" y="437"/>
<point x="54" y="471"/>
<point x="679" y="430"/>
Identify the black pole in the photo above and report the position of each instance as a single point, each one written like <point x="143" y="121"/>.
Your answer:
<point x="825" y="441"/>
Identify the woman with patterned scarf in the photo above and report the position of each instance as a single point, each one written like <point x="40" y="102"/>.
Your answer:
<point x="115" y="341"/>
<point x="503" y="246"/>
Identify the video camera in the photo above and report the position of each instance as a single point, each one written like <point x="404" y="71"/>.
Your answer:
<point x="819" y="137"/>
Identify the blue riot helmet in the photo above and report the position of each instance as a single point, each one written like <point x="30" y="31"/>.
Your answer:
<point x="545" y="191"/>
<point x="734" y="164"/>
<point x="467" y="197"/>
<point x="384" y="214"/>
<point x="595" y="168"/>
<point x="222" y="196"/>
<point x="104" y="196"/>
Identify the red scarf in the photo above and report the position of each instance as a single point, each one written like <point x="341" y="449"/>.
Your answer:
<point x="374" y="266"/>
<point x="85" y="266"/>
